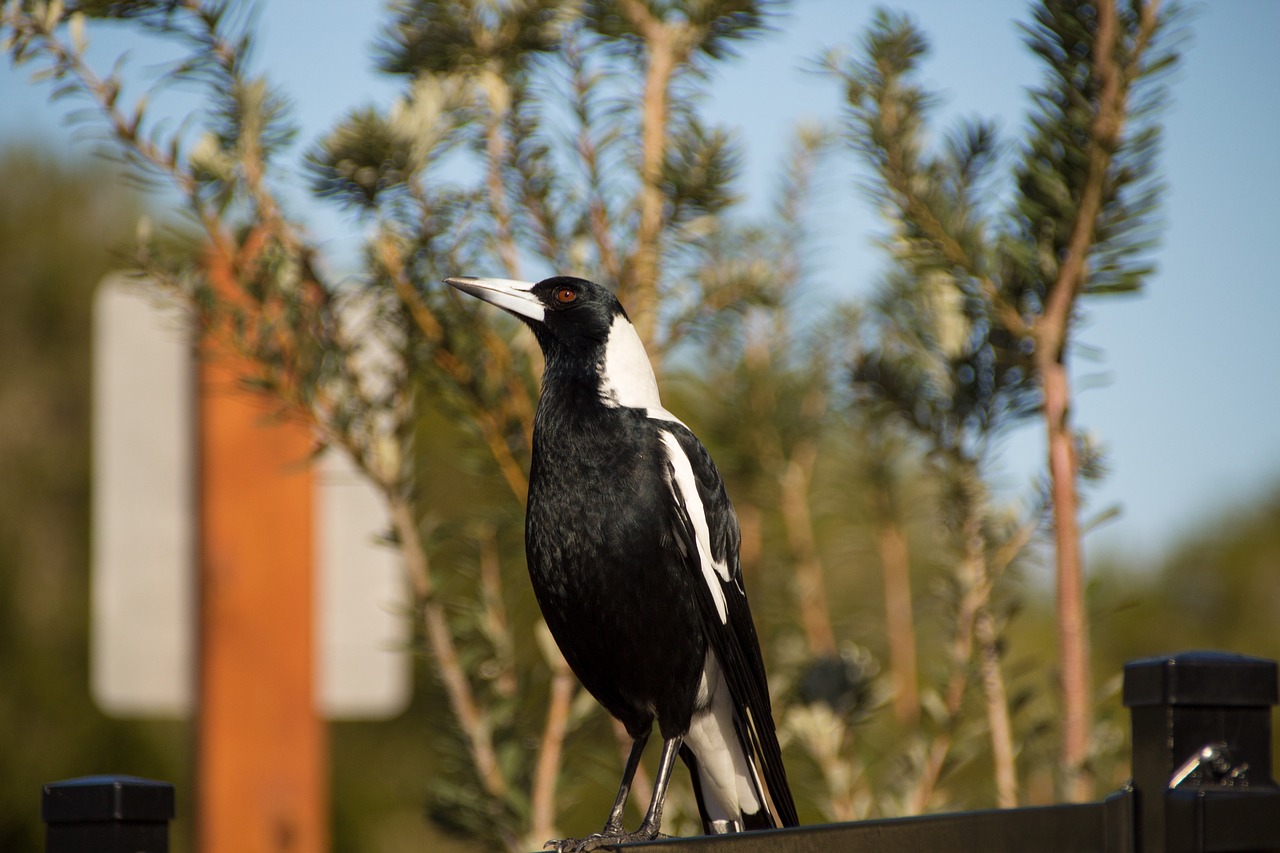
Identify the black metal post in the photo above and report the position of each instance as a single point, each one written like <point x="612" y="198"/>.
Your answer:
<point x="1201" y="731"/>
<point x="107" y="814"/>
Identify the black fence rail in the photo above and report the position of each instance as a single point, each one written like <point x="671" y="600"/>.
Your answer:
<point x="1202" y="783"/>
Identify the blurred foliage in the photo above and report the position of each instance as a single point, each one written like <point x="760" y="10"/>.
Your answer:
<point x="532" y="136"/>
<point x="1219" y="588"/>
<point x="62" y="228"/>
<point x="1216" y="586"/>
<point x="973" y="328"/>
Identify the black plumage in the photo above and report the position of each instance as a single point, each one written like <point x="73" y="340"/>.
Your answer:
<point x="632" y="546"/>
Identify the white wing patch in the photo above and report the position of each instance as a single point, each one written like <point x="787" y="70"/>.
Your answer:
<point x="730" y="784"/>
<point x="686" y="487"/>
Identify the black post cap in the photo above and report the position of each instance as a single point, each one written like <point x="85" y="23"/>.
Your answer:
<point x="1201" y="678"/>
<point x="91" y="799"/>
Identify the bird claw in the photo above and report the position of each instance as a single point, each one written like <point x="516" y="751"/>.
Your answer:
<point x="599" y="839"/>
<point x="578" y="845"/>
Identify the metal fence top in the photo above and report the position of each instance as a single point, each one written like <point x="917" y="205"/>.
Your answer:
<point x="1201" y="678"/>
<point x="89" y="799"/>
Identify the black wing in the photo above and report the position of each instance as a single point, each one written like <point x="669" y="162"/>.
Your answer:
<point x="705" y="523"/>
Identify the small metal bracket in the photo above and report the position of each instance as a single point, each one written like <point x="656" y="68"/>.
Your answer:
<point x="1212" y="764"/>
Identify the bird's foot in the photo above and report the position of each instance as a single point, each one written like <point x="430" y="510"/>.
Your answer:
<point x="610" y="836"/>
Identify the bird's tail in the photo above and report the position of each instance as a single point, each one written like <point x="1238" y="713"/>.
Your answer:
<point x="726" y="754"/>
<point x="762" y="819"/>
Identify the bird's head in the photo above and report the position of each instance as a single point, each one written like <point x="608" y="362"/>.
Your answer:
<point x="564" y="312"/>
<point x="581" y="327"/>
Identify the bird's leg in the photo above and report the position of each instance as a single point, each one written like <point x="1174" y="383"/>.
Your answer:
<point x="613" y="826"/>
<point x="653" y="817"/>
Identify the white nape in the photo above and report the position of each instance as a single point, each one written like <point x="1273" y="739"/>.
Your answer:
<point x="627" y="378"/>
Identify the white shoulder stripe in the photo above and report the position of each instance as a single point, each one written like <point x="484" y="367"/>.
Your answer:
<point x="683" y="482"/>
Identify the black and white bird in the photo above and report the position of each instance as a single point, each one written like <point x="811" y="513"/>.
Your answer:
<point x="632" y="547"/>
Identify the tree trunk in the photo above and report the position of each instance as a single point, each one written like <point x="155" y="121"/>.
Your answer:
<point x="1073" y="625"/>
<point x="639" y="287"/>
<point x="1003" y="754"/>
<point x="811" y="588"/>
<point x="891" y="541"/>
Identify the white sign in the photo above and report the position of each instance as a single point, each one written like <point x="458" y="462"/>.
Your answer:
<point x="143" y="607"/>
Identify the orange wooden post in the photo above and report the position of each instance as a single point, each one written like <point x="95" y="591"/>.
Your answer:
<point x="261" y="749"/>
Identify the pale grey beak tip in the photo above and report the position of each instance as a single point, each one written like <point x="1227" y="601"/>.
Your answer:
<point x="511" y="296"/>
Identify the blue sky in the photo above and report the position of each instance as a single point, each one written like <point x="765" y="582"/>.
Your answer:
<point x="1181" y="382"/>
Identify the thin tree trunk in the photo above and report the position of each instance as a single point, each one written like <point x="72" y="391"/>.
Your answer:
<point x="547" y="772"/>
<point x="997" y="702"/>
<point x="643" y="290"/>
<point x="496" y="626"/>
<point x="495" y="182"/>
<point x="974" y="593"/>
<point x="1051" y="335"/>
<point x="1073" y="625"/>
<point x="751" y="524"/>
<point x="598" y="215"/>
<point x="891" y="541"/>
<point x="666" y="47"/>
<point x="811" y="587"/>
<point x="975" y="626"/>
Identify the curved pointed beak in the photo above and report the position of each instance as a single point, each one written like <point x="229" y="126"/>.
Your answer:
<point x="513" y="296"/>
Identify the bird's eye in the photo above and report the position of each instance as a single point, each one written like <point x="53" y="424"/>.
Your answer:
<point x="565" y="295"/>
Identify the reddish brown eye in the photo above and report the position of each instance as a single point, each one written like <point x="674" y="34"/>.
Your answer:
<point x="565" y="295"/>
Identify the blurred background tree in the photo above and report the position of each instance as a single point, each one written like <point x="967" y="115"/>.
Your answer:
<point x="988" y="274"/>
<point x="538" y="136"/>
<point x="62" y="228"/>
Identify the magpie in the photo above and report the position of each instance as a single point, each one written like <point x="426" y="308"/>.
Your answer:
<point x="632" y="548"/>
